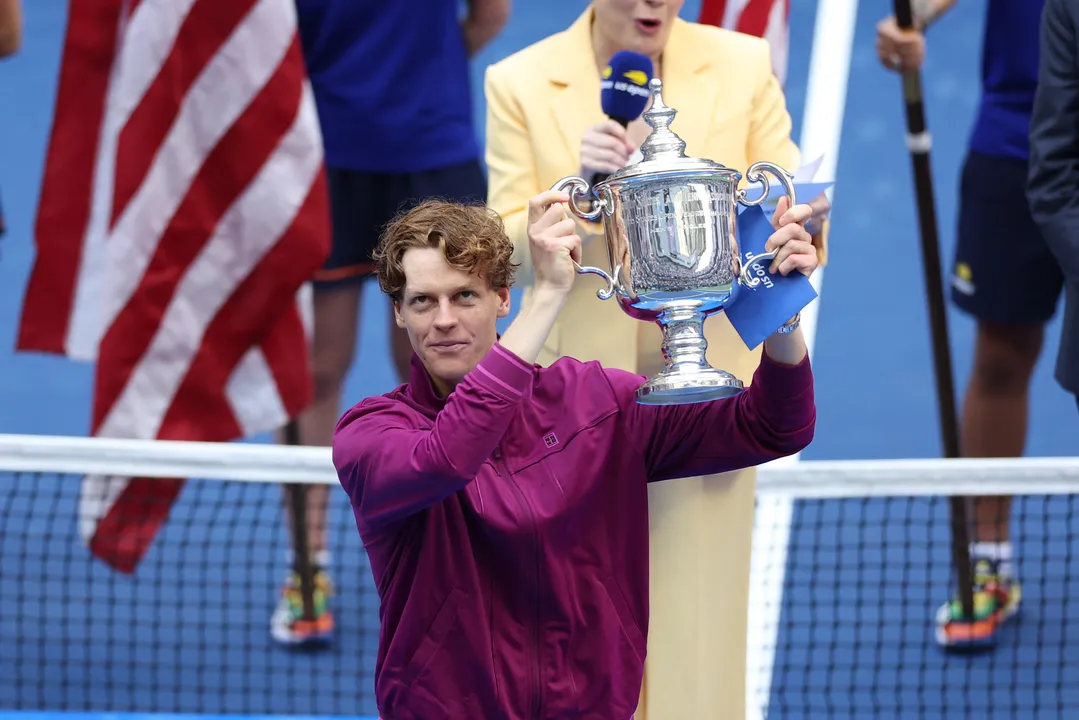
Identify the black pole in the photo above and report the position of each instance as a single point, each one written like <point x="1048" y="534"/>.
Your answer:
<point x="918" y="144"/>
<point x="301" y="556"/>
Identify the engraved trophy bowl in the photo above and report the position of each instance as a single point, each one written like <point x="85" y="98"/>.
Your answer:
<point x="669" y="223"/>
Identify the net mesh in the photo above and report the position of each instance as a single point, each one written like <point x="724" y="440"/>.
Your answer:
<point x="863" y="582"/>
<point x="188" y="631"/>
<point x="851" y="561"/>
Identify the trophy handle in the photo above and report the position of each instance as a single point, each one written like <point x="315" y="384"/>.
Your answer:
<point x="605" y="293"/>
<point x="757" y="172"/>
<point x="753" y="281"/>
<point x="578" y="190"/>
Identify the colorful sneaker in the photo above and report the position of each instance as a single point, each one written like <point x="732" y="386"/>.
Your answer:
<point x="996" y="599"/>
<point x="288" y="626"/>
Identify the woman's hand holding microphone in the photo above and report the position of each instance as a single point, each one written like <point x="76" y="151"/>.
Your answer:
<point x="605" y="149"/>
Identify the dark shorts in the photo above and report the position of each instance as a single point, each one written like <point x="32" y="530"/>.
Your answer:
<point x="1004" y="272"/>
<point x="362" y="203"/>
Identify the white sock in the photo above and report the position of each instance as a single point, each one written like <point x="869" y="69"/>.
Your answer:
<point x="1000" y="552"/>
<point x="321" y="559"/>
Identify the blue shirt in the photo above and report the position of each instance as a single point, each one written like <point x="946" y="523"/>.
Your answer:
<point x="391" y="83"/>
<point x="1009" y="78"/>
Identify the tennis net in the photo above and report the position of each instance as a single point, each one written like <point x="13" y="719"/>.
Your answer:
<point x="851" y="561"/>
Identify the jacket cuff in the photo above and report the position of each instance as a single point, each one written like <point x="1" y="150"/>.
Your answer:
<point x="504" y="374"/>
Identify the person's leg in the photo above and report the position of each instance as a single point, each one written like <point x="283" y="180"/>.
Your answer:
<point x="337" y="294"/>
<point x="994" y="424"/>
<point x="336" y="315"/>
<point x="1006" y="280"/>
<point x="996" y="409"/>
<point x="463" y="183"/>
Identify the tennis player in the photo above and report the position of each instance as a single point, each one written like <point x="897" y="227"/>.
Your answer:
<point x="391" y="82"/>
<point x="998" y="245"/>
<point x="503" y="504"/>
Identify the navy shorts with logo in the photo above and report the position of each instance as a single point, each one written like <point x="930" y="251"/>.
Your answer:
<point x="1004" y="273"/>
<point x="363" y="203"/>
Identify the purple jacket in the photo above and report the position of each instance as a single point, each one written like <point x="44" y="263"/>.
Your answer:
<point x="507" y="527"/>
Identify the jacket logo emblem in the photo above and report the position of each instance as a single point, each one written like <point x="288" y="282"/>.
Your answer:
<point x="550" y="440"/>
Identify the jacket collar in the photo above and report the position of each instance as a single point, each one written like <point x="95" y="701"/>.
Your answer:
<point x="573" y="69"/>
<point x="420" y="388"/>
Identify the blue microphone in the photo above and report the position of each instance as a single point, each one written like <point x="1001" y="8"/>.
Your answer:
<point x="624" y="90"/>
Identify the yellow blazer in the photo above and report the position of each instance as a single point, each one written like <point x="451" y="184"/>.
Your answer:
<point x="540" y="102"/>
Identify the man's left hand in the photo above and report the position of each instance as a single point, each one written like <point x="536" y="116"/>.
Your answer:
<point x="791" y="241"/>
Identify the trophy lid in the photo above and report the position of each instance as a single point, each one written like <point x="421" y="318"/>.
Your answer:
<point x="663" y="150"/>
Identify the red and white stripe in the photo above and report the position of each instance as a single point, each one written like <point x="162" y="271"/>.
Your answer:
<point x="183" y="210"/>
<point x="768" y="19"/>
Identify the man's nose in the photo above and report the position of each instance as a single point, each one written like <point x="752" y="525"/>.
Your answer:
<point x="447" y="315"/>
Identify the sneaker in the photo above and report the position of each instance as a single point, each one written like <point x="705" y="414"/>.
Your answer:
<point x="288" y="626"/>
<point x="996" y="599"/>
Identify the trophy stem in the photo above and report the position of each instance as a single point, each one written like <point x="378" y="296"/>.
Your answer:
<point x="686" y="376"/>
<point x="684" y="346"/>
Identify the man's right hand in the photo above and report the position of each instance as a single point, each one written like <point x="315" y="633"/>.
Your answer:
<point x="553" y="240"/>
<point x="605" y="148"/>
<point x="899" y="50"/>
<point x="555" y="245"/>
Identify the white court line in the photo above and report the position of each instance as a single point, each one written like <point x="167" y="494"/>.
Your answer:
<point x="822" y="126"/>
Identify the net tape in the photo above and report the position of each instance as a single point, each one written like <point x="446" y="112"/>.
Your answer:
<point x="813" y="479"/>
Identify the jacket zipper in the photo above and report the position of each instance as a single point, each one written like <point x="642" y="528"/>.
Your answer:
<point x="537" y="686"/>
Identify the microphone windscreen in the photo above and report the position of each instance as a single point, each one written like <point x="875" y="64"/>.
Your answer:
<point x="624" y="86"/>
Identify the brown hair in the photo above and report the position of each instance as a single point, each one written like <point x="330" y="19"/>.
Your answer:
<point x="471" y="237"/>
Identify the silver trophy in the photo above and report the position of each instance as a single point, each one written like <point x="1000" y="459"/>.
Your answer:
<point x="672" y="243"/>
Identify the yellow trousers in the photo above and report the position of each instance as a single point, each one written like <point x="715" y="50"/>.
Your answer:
<point x="700" y="540"/>
<point x="700" y="533"/>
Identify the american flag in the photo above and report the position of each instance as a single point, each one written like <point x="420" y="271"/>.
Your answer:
<point x="183" y="209"/>
<point x="768" y="19"/>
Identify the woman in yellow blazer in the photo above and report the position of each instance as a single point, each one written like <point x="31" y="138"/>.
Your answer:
<point x="541" y="103"/>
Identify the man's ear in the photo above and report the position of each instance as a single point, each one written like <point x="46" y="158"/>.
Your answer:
<point x="503" y="302"/>
<point x="397" y="314"/>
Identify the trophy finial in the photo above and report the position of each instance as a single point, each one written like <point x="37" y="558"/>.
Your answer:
<point x="662" y="143"/>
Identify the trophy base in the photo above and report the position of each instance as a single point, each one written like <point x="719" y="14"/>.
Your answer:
<point x="674" y="387"/>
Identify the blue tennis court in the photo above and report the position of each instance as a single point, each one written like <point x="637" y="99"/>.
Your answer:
<point x="863" y="576"/>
